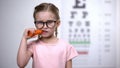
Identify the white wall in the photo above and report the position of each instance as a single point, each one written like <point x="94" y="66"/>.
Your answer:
<point x="15" y="15"/>
<point x="118" y="34"/>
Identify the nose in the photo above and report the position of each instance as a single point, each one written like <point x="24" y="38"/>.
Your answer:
<point x="45" y="25"/>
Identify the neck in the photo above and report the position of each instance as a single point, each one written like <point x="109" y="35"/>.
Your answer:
<point x="51" y="39"/>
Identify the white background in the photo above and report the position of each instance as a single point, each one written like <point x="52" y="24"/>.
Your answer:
<point x="15" y="16"/>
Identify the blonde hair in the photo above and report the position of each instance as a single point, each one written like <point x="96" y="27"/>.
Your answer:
<point x="47" y="7"/>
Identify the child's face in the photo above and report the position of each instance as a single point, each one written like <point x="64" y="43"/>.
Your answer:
<point x="47" y="22"/>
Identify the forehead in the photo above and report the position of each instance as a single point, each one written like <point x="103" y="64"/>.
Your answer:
<point x="44" y="15"/>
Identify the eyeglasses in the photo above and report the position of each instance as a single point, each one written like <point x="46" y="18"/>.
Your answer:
<point x="49" y="23"/>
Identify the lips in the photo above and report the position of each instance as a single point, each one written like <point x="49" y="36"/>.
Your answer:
<point x="44" y="32"/>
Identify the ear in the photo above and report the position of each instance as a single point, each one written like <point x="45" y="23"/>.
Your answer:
<point x="58" y="23"/>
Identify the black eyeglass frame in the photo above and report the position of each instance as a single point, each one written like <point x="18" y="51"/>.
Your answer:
<point x="45" y="23"/>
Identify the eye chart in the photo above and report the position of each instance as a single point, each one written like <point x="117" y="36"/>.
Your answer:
<point x="89" y="25"/>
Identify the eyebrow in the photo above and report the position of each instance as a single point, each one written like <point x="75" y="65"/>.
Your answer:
<point x="44" y="21"/>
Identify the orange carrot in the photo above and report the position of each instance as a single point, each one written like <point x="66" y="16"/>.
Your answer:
<point x="36" y="32"/>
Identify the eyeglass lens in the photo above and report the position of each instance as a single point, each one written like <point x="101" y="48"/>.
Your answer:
<point x="49" y="23"/>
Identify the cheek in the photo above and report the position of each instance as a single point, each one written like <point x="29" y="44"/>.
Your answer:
<point x="52" y="31"/>
<point x="38" y="26"/>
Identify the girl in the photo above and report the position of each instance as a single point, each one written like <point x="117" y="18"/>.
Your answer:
<point x="47" y="51"/>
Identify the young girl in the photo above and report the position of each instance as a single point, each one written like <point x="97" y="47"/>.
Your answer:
<point x="47" y="51"/>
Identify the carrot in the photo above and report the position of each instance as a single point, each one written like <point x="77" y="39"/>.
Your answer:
<point x="36" y="32"/>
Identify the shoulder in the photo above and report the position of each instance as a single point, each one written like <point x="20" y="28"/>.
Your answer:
<point x="32" y="43"/>
<point x="65" y="43"/>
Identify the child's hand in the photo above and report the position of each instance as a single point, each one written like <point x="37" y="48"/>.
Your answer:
<point x="26" y="36"/>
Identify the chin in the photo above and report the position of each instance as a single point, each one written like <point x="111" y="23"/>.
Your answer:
<point x="46" y="36"/>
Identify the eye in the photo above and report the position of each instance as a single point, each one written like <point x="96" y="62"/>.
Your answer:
<point x="50" y="21"/>
<point x="38" y="22"/>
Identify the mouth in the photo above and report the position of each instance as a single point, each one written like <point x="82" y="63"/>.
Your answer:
<point x="44" y="32"/>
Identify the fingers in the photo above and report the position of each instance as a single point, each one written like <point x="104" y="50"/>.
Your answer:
<point x="28" y="33"/>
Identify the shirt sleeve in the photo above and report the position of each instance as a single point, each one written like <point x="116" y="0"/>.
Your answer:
<point x="71" y="52"/>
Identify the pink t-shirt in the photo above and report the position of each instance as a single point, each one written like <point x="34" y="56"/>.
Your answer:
<point x="51" y="55"/>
